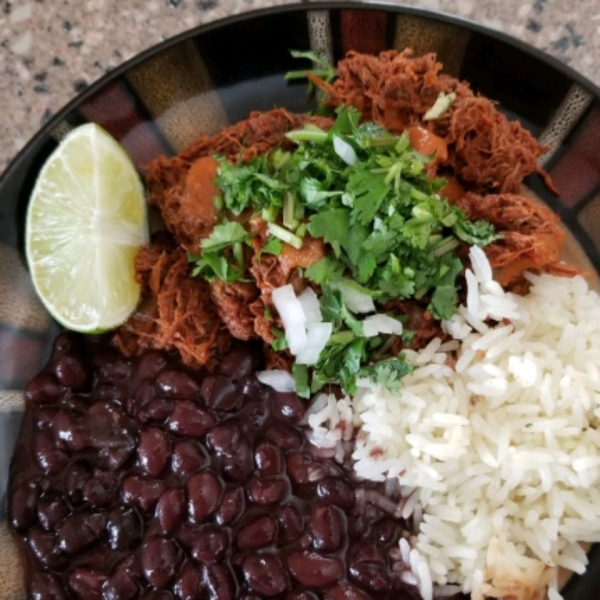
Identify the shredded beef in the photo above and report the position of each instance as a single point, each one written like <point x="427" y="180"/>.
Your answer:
<point x="531" y="235"/>
<point x="484" y="155"/>
<point x="176" y="313"/>
<point x="487" y="152"/>
<point x="232" y="302"/>
<point x="180" y="187"/>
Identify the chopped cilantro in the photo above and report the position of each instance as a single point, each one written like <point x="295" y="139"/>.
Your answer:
<point x="273" y="246"/>
<point x="279" y="343"/>
<point x="387" y="373"/>
<point x="300" y="374"/>
<point x="221" y="253"/>
<point x="383" y="222"/>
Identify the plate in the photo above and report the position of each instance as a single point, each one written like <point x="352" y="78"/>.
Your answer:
<point x="216" y="74"/>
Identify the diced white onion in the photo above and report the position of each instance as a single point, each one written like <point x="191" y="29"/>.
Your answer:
<point x="310" y="305"/>
<point x="356" y="301"/>
<point x="317" y="335"/>
<point x="344" y="150"/>
<point x="279" y="380"/>
<point x="292" y="315"/>
<point x="376" y="324"/>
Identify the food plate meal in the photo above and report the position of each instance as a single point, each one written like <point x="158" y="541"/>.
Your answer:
<point x="356" y="357"/>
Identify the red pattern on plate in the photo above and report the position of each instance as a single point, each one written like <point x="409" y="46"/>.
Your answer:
<point x="363" y="31"/>
<point x="577" y="172"/>
<point x="114" y="109"/>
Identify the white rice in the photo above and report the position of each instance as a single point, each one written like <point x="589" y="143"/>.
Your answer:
<point x="502" y="451"/>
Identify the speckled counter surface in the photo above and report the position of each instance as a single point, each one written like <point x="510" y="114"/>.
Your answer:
<point x="52" y="49"/>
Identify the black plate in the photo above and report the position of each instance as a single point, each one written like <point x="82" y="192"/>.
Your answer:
<point x="215" y="74"/>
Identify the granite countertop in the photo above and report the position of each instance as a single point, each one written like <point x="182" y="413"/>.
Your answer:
<point x="52" y="49"/>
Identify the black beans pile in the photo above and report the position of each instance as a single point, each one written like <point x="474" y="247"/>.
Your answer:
<point x="143" y="479"/>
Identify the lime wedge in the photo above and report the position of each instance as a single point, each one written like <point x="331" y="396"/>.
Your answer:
<point x="85" y="221"/>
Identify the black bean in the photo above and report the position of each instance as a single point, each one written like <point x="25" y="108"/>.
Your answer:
<point x="210" y="545"/>
<point x="336" y="491"/>
<point x="68" y="432"/>
<point x="290" y="405"/>
<point x="188" y="585"/>
<point x="75" y="480"/>
<point x="301" y="595"/>
<point x="303" y="470"/>
<point x="188" y="457"/>
<point x="151" y="364"/>
<point x="372" y="577"/>
<point x="23" y="505"/>
<point x="115" y="370"/>
<point x="224" y="438"/>
<point x="160" y="561"/>
<point x="255" y="414"/>
<point x="219" y="582"/>
<point x="153" y="451"/>
<point x="189" y="419"/>
<point x="142" y="492"/>
<point x="224" y="500"/>
<point x="347" y="591"/>
<point x="79" y="531"/>
<point x="268" y="458"/>
<point x="285" y="436"/>
<point x="325" y="524"/>
<point x="314" y="570"/>
<point x="239" y="465"/>
<point x="43" y="389"/>
<point x="224" y="395"/>
<point x="157" y="410"/>
<point x="51" y="510"/>
<point x="291" y="523"/>
<point x="101" y="488"/>
<point x="51" y="460"/>
<point x="257" y="533"/>
<point x="71" y="372"/>
<point x="86" y="583"/>
<point x="120" y="586"/>
<point x="268" y="490"/>
<point x="44" y="547"/>
<point x="265" y="574"/>
<point x="204" y="491"/>
<point x="170" y="510"/>
<point x="45" y="586"/>
<point x="240" y="363"/>
<point x="232" y="506"/>
<point x="124" y="528"/>
<point x="177" y="384"/>
<point x="156" y="595"/>
<point x="143" y="395"/>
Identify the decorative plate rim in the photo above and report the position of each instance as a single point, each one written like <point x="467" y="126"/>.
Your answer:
<point x="388" y="6"/>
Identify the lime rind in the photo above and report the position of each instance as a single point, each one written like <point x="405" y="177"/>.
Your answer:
<point x="85" y="221"/>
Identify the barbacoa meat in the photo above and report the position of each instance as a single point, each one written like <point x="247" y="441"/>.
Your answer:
<point x="181" y="186"/>
<point x="484" y="156"/>
<point x="531" y="234"/>
<point x="486" y="151"/>
<point x="176" y="312"/>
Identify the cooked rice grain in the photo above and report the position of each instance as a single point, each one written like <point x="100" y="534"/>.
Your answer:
<point x="503" y="451"/>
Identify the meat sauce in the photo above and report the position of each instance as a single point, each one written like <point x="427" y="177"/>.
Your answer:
<point x="143" y="478"/>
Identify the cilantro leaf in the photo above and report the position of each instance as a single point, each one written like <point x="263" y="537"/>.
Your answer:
<point x="324" y="270"/>
<point x="224" y="235"/>
<point x="300" y="374"/>
<point x="387" y="373"/>
<point x="273" y="246"/>
<point x="368" y="191"/>
<point x="332" y="225"/>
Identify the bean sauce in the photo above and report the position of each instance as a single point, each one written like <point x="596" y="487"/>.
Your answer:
<point x="142" y="479"/>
